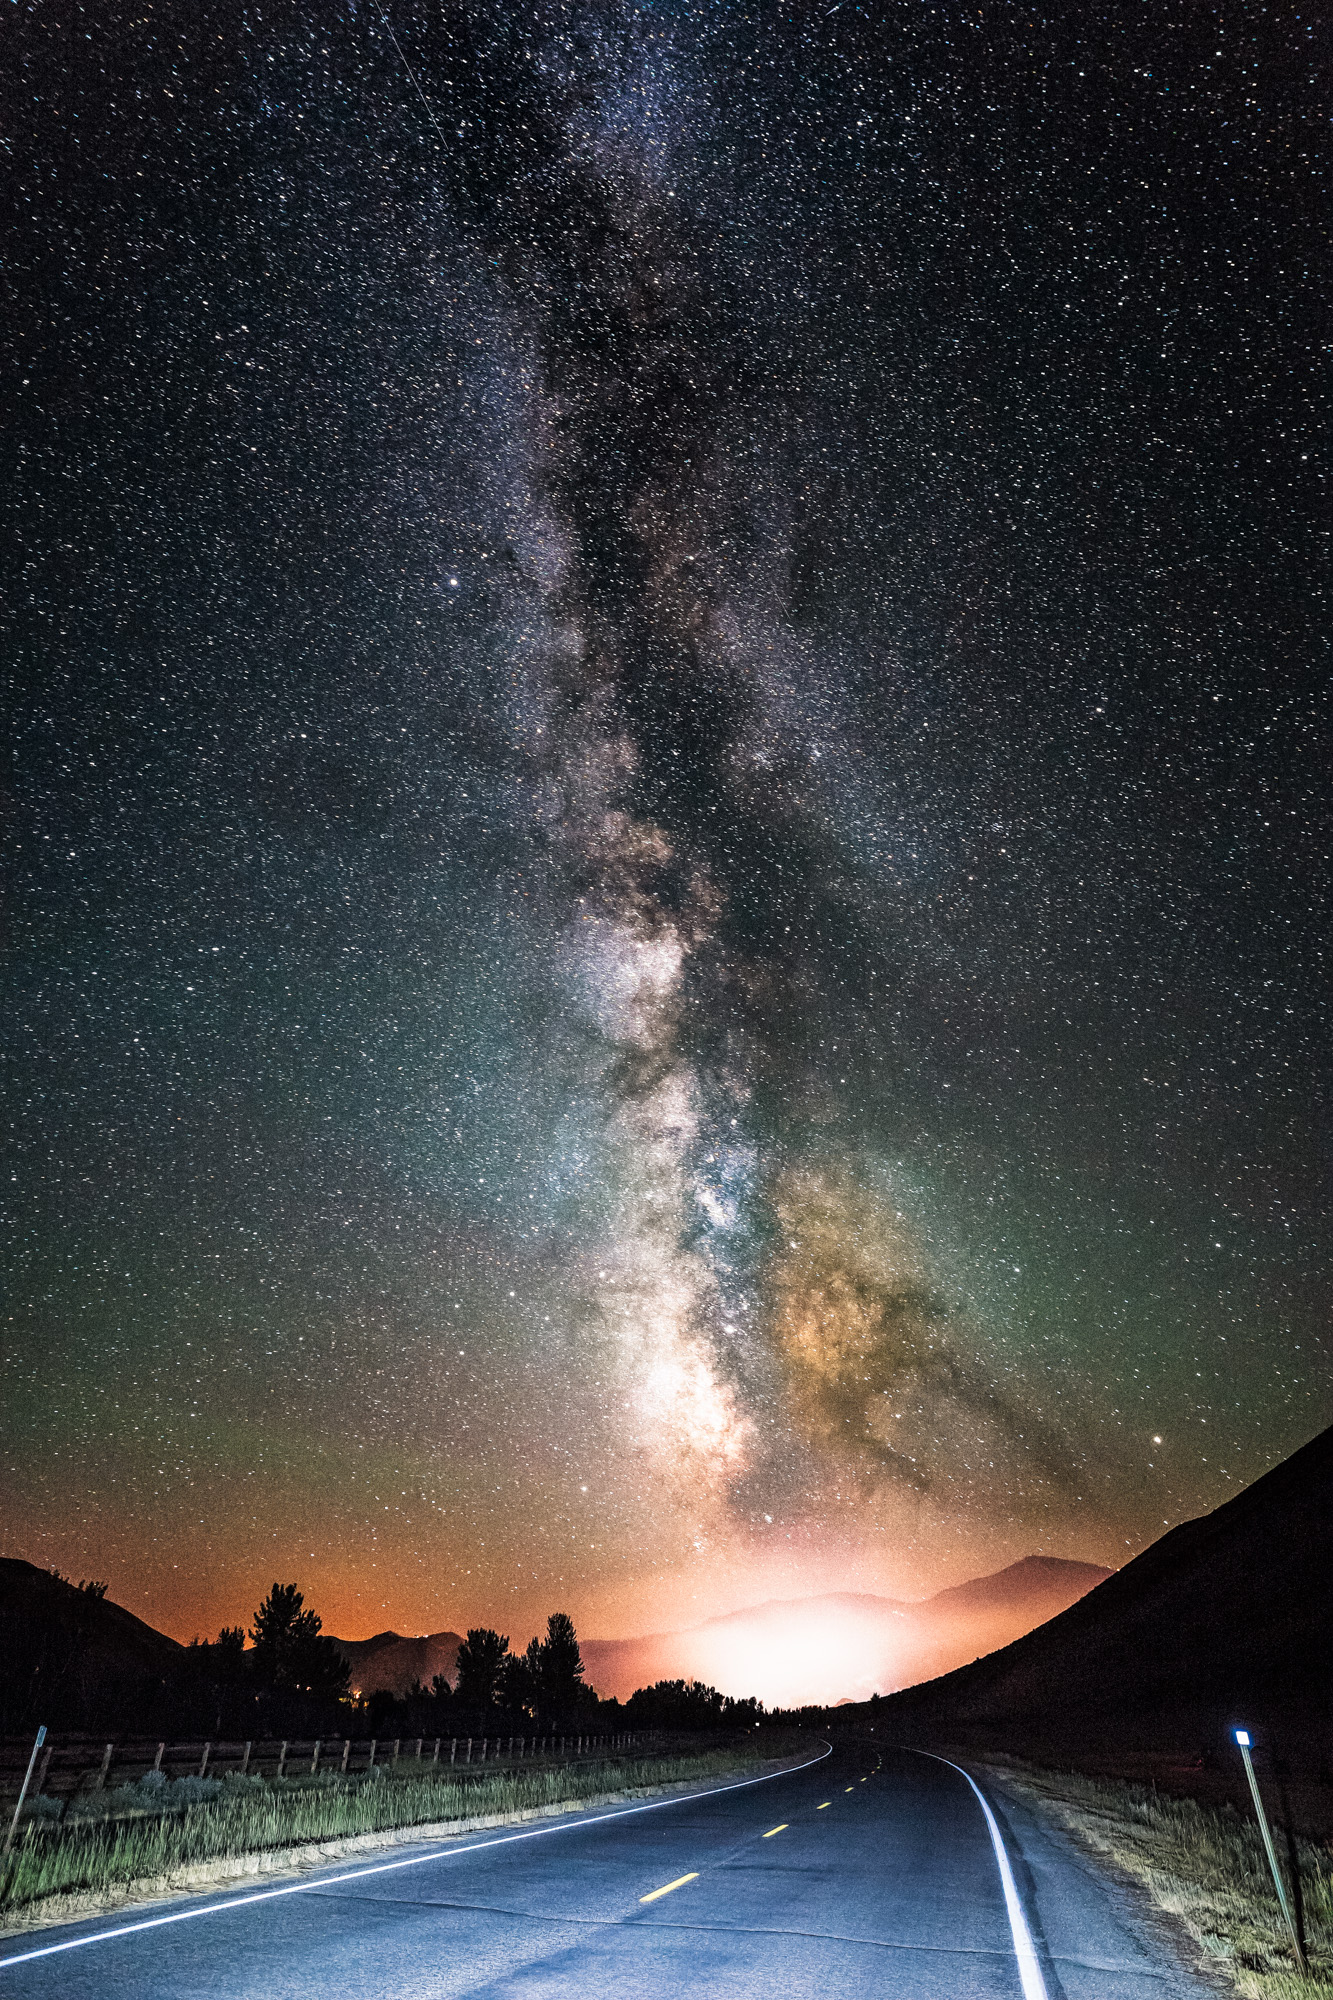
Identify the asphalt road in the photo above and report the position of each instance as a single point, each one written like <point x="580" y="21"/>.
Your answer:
<point x="864" y="1874"/>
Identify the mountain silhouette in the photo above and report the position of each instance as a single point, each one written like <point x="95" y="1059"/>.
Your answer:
<point x="75" y="1660"/>
<point x="389" y="1660"/>
<point x="845" y="1645"/>
<point x="1226" y="1621"/>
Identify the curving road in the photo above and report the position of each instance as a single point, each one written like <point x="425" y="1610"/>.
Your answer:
<point x="862" y="1874"/>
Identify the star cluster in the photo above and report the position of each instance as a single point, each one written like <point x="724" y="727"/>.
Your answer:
<point x="669" y="834"/>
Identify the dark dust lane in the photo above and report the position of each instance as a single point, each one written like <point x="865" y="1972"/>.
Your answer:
<point x="862" y="1874"/>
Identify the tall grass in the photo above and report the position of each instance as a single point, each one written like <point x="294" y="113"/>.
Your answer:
<point x="1207" y="1867"/>
<point x="156" y="1840"/>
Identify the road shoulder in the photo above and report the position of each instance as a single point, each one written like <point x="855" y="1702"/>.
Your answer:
<point x="1097" y="1930"/>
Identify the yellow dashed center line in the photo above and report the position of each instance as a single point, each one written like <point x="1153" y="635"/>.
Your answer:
<point x="851" y="1788"/>
<point x="777" y="1829"/>
<point x="679" y="1883"/>
<point x="824" y="1808"/>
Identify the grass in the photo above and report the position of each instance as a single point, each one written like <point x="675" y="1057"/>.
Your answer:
<point x="1206" y="1867"/>
<point x="150" y="1834"/>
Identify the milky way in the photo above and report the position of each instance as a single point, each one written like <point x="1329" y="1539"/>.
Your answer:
<point x="671" y="828"/>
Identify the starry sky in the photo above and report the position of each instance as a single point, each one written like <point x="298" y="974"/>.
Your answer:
<point x="668" y="827"/>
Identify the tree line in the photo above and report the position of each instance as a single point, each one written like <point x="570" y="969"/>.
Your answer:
<point x="495" y="1689"/>
<point x="290" y="1661"/>
<point x="74" y="1661"/>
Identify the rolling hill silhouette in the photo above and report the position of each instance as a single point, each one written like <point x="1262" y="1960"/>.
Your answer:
<point x="71" y="1659"/>
<point x="1226" y="1620"/>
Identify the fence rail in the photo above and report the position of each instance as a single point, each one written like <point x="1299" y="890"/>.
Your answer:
<point x="74" y="1764"/>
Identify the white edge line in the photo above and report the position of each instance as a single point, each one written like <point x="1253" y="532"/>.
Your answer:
<point x="388" y="1867"/>
<point x="1029" y="1972"/>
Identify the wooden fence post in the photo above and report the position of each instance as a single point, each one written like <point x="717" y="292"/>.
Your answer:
<point x="42" y="1769"/>
<point x="38" y="1741"/>
<point x="161" y="1752"/>
<point x="347" y="1751"/>
<point x="436" y="1758"/>
<point x="203" y="1761"/>
<point x="420" y="1741"/>
<point x="314" y="1761"/>
<point x="245" y="1761"/>
<point x="106" y="1766"/>
<point x="282" y="1759"/>
<point x="468" y="1758"/>
<point x="453" y="1749"/>
<point x="374" y="1745"/>
<point x="397" y="1746"/>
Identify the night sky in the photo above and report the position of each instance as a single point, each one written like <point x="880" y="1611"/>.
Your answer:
<point x="669" y="826"/>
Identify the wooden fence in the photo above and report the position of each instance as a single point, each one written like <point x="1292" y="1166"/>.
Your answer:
<point x="69" y="1764"/>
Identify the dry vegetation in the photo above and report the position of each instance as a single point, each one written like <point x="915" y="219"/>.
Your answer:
<point x="146" y="1834"/>
<point x="1205" y="1866"/>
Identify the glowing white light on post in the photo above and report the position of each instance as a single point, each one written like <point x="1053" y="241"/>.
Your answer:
<point x="1242" y="1737"/>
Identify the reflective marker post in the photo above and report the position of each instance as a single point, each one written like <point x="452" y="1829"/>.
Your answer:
<point x="1243" y="1745"/>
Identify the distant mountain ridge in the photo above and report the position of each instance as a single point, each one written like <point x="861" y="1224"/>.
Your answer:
<point x="388" y="1660"/>
<point x="1027" y="1585"/>
<point x="845" y="1645"/>
<point x="861" y="1644"/>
